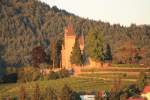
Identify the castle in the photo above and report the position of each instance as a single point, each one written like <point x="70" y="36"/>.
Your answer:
<point x="69" y="41"/>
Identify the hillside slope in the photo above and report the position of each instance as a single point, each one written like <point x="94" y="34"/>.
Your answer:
<point x="25" y="24"/>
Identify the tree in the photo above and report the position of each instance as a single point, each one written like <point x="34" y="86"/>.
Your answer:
<point x="137" y="58"/>
<point x="108" y="54"/>
<point x="132" y="91"/>
<point x="53" y="50"/>
<point x="75" y="57"/>
<point x="94" y="44"/>
<point x="38" y="56"/>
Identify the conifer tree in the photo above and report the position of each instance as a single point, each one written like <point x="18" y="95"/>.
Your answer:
<point x="94" y="44"/>
<point x="75" y="57"/>
<point x="108" y="54"/>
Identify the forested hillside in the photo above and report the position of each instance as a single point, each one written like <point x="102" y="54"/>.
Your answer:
<point x="25" y="24"/>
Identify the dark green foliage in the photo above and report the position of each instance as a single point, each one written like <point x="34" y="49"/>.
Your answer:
<point x="132" y="90"/>
<point x="26" y="23"/>
<point x="9" y="78"/>
<point x="68" y="94"/>
<point x="108" y="54"/>
<point x="53" y="75"/>
<point x="94" y="44"/>
<point x="137" y="58"/>
<point x="75" y="57"/>
<point x="53" y="50"/>
<point x="59" y="74"/>
<point x="63" y="73"/>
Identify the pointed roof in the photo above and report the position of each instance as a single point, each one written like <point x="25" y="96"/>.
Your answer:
<point x="81" y="39"/>
<point x="69" y="31"/>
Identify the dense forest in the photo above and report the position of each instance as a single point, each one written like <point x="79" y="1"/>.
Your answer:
<point x="25" y="24"/>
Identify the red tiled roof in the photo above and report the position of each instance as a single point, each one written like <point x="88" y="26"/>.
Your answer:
<point x="146" y="89"/>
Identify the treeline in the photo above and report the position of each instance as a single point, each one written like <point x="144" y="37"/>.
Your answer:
<point x="25" y="24"/>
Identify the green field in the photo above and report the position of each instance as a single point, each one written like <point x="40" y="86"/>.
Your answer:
<point x="77" y="84"/>
<point x="90" y="80"/>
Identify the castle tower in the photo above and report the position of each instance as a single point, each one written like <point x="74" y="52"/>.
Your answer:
<point x="81" y="42"/>
<point x="69" y="41"/>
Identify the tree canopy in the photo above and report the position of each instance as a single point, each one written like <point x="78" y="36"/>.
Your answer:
<point x="26" y="23"/>
<point x="76" y="57"/>
<point x="94" y="44"/>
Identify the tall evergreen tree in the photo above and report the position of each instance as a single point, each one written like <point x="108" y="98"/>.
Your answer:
<point x="94" y="44"/>
<point x="53" y="43"/>
<point x="76" y="57"/>
<point x="108" y="54"/>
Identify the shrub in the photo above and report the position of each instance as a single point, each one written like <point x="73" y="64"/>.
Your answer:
<point x="10" y="78"/>
<point x="27" y="74"/>
<point x="56" y="75"/>
<point x="68" y="94"/>
<point x="53" y="75"/>
<point x="64" y="73"/>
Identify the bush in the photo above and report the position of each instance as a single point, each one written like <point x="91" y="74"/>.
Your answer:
<point x="10" y="78"/>
<point x="68" y="94"/>
<point x="53" y="75"/>
<point x="27" y="74"/>
<point x="57" y="75"/>
<point x="64" y="73"/>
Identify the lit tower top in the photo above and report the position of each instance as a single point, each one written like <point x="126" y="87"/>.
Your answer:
<point x="81" y="41"/>
<point x="69" y="31"/>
